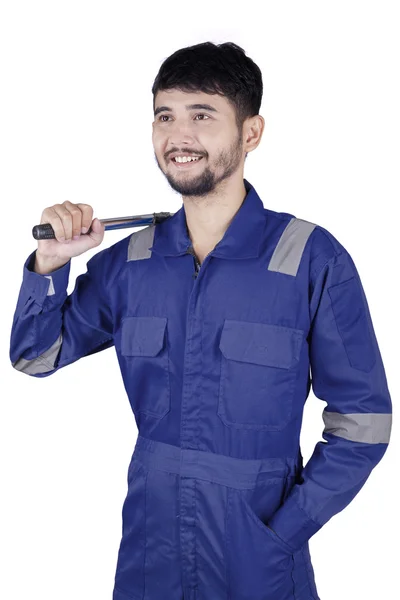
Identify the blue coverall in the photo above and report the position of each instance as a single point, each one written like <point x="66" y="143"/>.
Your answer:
<point x="217" y="363"/>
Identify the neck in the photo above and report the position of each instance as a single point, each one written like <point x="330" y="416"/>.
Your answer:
<point x="208" y="217"/>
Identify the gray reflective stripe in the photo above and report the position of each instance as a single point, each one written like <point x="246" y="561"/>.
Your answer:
<point x="140" y="242"/>
<point x="43" y="363"/>
<point x="51" y="289"/>
<point x="371" y="428"/>
<point x="287" y="254"/>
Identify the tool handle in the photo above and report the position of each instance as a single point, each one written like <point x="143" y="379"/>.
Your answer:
<point x="45" y="231"/>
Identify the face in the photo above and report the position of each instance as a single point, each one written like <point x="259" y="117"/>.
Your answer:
<point x="209" y="132"/>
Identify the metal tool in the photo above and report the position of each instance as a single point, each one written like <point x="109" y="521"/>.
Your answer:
<point x="46" y="232"/>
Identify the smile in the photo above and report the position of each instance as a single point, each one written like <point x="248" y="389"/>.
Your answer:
<point x="186" y="165"/>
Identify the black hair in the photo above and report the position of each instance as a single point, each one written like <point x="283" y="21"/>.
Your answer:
<point x="214" y="69"/>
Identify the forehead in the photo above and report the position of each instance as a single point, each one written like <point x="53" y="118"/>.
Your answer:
<point x="176" y="100"/>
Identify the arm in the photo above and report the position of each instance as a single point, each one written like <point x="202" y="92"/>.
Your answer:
<point x="50" y="329"/>
<point x="348" y="374"/>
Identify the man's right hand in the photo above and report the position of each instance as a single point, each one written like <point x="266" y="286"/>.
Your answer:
<point x="70" y="223"/>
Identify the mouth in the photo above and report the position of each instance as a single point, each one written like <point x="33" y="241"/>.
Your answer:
<point x="186" y="165"/>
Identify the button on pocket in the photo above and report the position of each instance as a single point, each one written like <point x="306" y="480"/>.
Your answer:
<point x="258" y="373"/>
<point x="145" y="368"/>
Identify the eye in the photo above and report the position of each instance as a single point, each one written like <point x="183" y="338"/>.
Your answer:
<point x="167" y="116"/>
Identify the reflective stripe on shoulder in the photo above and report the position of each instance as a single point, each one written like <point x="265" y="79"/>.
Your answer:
<point x="289" y="249"/>
<point x="139" y="243"/>
<point x="370" y="428"/>
<point x="43" y="363"/>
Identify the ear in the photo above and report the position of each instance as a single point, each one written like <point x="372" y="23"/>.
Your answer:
<point x="254" y="129"/>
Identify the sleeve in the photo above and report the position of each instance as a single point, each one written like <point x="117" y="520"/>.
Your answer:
<point x="51" y="329"/>
<point x="348" y="374"/>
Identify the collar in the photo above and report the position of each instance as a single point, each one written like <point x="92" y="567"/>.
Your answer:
<point x="242" y="238"/>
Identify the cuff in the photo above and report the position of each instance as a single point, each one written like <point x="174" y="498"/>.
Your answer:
<point x="292" y="524"/>
<point x="41" y="286"/>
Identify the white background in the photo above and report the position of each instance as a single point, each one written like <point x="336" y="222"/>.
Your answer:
<point x="76" y="114"/>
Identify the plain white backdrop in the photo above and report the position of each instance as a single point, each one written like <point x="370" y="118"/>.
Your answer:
<point x="76" y="114"/>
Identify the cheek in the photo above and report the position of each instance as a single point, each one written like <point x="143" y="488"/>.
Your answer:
<point x="157" y="139"/>
<point x="159" y="147"/>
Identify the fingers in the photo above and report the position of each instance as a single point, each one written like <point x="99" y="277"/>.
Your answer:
<point x="87" y="216"/>
<point x="52" y="216"/>
<point x="68" y="220"/>
<point x="97" y="231"/>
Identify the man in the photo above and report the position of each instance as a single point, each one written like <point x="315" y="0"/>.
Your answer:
<point x="218" y="314"/>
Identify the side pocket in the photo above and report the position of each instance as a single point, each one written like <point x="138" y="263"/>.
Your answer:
<point x="351" y="319"/>
<point x="134" y="466"/>
<point x="256" y="558"/>
<point x="129" y="576"/>
<point x="264" y="527"/>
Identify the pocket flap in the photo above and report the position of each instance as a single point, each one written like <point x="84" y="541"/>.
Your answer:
<point x="261" y="343"/>
<point x="142" y="336"/>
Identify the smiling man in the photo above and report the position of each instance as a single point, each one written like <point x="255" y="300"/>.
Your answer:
<point x="218" y="355"/>
<point x="198" y="143"/>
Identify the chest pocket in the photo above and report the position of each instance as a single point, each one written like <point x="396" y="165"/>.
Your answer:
<point x="258" y="374"/>
<point x="146" y="373"/>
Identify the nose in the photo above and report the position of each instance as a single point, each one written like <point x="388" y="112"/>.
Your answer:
<point x="182" y="140"/>
<point x="180" y="132"/>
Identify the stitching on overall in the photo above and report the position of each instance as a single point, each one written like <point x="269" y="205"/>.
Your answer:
<point x="309" y="580"/>
<point x="227" y="542"/>
<point x="344" y="344"/>
<point x="168" y="369"/>
<point x="202" y="368"/>
<point x="195" y="566"/>
<point x="127" y="595"/>
<point x="145" y="533"/>
<point x="292" y="578"/>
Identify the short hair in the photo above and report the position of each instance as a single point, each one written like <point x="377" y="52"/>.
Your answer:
<point x="222" y="69"/>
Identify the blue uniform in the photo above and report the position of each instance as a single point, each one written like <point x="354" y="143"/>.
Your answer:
<point x="217" y="363"/>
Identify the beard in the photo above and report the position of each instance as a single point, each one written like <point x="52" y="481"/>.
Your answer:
<point x="226" y="163"/>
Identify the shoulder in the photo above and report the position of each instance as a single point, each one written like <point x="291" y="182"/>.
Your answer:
<point x="108" y="262"/>
<point x="131" y="247"/>
<point x="305" y="240"/>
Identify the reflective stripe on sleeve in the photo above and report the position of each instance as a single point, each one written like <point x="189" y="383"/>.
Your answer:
<point x="43" y="363"/>
<point x="370" y="428"/>
<point x="51" y="289"/>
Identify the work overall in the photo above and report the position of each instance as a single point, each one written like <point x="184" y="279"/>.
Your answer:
<point x="217" y="363"/>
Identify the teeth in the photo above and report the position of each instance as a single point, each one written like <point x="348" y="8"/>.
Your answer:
<point x="184" y="159"/>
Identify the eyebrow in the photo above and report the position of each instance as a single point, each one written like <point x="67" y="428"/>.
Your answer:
<point x="188" y="107"/>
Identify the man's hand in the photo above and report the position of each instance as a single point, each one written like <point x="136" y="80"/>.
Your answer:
<point x="70" y="223"/>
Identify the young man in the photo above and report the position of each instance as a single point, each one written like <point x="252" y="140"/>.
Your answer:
<point x="217" y="316"/>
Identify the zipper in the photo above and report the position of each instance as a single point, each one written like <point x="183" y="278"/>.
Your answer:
<point x="197" y="265"/>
